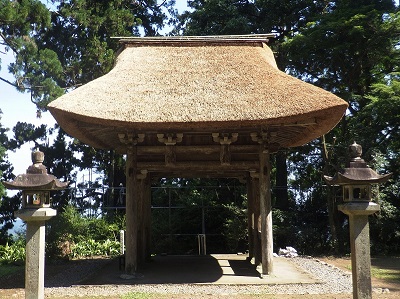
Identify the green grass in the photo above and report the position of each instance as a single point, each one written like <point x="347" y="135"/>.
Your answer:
<point x="383" y="273"/>
<point x="137" y="295"/>
<point x="6" y="270"/>
<point x="386" y="274"/>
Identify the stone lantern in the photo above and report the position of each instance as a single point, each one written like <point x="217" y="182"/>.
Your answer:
<point x="36" y="185"/>
<point x="356" y="180"/>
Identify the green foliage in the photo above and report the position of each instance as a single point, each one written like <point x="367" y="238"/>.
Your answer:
<point x="35" y="69"/>
<point x="7" y="204"/>
<point x="235" y="226"/>
<point x="71" y="234"/>
<point x="218" y="17"/>
<point x="7" y="207"/>
<point x="69" y="44"/>
<point x="13" y="253"/>
<point x="348" y="49"/>
<point x="182" y="209"/>
<point x="380" y="118"/>
<point x="24" y="132"/>
<point x="385" y="228"/>
<point x="90" y="248"/>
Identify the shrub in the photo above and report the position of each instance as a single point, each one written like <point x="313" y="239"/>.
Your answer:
<point x="14" y="253"/>
<point x="72" y="235"/>
<point x="91" y="248"/>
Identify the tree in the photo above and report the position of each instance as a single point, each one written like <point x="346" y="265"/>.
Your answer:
<point x="217" y="17"/>
<point x="377" y="126"/>
<point x="69" y="43"/>
<point x="349" y="48"/>
<point x="35" y="69"/>
<point x="7" y="204"/>
<point x="346" y="47"/>
<point x="346" y="50"/>
<point x="59" y="45"/>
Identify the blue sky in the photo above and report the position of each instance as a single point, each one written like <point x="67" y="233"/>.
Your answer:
<point x="16" y="107"/>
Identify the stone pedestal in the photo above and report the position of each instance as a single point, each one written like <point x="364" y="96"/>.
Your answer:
<point x="35" y="249"/>
<point x="360" y="245"/>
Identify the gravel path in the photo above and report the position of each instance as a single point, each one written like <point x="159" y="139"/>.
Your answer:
<point x="333" y="281"/>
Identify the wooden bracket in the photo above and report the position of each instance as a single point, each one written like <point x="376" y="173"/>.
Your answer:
<point x="170" y="139"/>
<point x="264" y="138"/>
<point x="254" y="174"/>
<point x="142" y="175"/>
<point x="130" y="138"/>
<point x="225" y="139"/>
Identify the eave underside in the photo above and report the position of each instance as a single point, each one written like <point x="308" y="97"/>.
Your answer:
<point x="211" y="152"/>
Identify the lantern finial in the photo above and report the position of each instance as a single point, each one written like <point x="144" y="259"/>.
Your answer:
<point x="37" y="157"/>
<point x="37" y="166"/>
<point x="355" y="151"/>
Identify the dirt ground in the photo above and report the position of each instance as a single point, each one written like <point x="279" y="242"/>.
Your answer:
<point x="392" y="264"/>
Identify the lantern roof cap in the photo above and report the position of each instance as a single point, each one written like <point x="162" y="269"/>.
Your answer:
<point x="36" y="177"/>
<point x="357" y="172"/>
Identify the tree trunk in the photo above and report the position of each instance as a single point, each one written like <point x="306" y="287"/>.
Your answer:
<point x="331" y="202"/>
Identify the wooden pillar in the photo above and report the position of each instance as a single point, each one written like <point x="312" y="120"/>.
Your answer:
<point x="132" y="184"/>
<point x="140" y="228"/>
<point x="266" y="213"/>
<point x="145" y="221"/>
<point x="256" y="218"/>
<point x="250" y="217"/>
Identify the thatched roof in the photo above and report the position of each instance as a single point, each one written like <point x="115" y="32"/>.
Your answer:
<point x="196" y="85"/>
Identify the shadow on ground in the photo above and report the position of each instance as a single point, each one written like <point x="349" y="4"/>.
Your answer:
<point x="210" y="269"/>
<point x="215" y="269"/>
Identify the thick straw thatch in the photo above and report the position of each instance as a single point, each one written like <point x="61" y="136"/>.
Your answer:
<point x="192" y="86"/>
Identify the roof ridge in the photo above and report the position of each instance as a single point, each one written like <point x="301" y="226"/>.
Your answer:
<point x="206" y="38"/>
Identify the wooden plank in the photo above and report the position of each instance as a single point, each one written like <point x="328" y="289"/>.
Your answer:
<point x="200" y="166"/>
